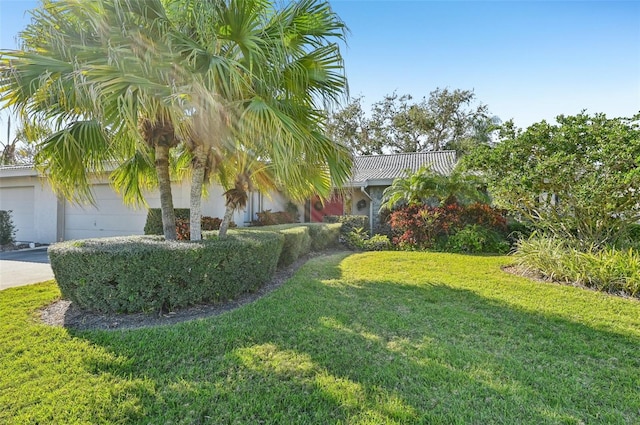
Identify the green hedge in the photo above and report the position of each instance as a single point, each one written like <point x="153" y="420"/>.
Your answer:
<point x="301" y="238"/>
<point x="324" y="235"/>
<point x="148" y="274"/>
<point x="297" y="241"/>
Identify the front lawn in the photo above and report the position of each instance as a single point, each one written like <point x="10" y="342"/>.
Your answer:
<point x="384" y="337"/>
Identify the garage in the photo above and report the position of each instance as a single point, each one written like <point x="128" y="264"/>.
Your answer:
<point x="109" y="217"/>
<point x="20" y="200"/>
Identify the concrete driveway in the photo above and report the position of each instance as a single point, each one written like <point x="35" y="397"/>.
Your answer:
<point x="18" y="268"/>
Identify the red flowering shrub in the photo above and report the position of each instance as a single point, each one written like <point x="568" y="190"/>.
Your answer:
<point x="183" y="232"/>
<point x="269" y="218"/>
<point x="183" y="227"/>
<point x="211" y="223"/>
<point x="484" y="215"/>
<point x="425" y="227"/>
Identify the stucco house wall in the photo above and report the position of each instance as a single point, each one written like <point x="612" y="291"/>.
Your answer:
<point x="40" y="216"/>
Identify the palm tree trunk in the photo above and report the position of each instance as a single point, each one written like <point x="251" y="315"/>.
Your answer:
<point x="226" y="221"/>
<point x="166" y="199"/>
<point x="197" y="180"/>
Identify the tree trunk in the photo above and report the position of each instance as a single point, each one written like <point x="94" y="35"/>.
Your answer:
<point x="166" y="199"/>
<point x="197" y="180"/>
<point x="226" y="221"/>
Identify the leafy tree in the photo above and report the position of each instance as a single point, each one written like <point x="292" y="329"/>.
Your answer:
<point x="351" y="127"/>
<point x="578" y="179"/>
<point x="448" y="119"/>
<point x="427" y="187"/>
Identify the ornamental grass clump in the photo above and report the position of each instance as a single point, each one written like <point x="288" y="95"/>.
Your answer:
<point x="608" y="269"/>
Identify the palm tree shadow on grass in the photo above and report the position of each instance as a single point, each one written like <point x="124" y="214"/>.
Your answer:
<point x="325" y="349"/>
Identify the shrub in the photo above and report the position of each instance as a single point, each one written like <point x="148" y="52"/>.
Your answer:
<point x="153" y="225"/>
<point x="355" y="239"/>
<point x="476" y="239"/>
<point x="297" y="243"/>
<point x="484" y="215"/>
<point x="631" y="238"/>
<point x="608" y="269"/>
<point x="359" y="239"/>
<point x="517" y="230"/>
<point x="268" y="218"/>
<point x="427" y="227"/>
<point x="301" y="238"/>
<point x="147" y="274"/>
<point x="378" y="243"/>
<point x="423" y="226"/>
<point x="7" y="228"/>
<point x="349" y="222"/>
<point x="213" y="223"/>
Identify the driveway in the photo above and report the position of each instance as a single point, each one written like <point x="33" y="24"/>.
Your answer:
<point x="18" y="268"/>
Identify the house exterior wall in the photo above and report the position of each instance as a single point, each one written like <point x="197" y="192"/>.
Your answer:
<point x="39" y="216"/>
<point x="372" y="197"/>
<point x="33" y="204"/>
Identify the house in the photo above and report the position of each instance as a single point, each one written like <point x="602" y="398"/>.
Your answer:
<point x="40" y="216"/>
<point x="372" y="174"/>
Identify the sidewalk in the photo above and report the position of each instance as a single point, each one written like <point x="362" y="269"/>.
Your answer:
<point x="24" y="267"/>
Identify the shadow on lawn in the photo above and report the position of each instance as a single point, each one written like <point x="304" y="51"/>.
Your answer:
<point x="323" y="350"/>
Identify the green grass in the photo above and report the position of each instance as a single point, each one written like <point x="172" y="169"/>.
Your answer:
<point x="384" y="337"/>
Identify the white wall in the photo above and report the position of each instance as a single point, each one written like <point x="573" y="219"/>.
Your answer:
<point x="41" y="217"/>
<point x="34" y="205"/>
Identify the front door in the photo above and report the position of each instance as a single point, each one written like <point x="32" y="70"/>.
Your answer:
<point x="333" y="206"/>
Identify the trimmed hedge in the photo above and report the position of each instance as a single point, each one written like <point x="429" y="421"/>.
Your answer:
<point x="301" y="238"/>
<point x="148" y="274"/>
<point x="323" y="235"/>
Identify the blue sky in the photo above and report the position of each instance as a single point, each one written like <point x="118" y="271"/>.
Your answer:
<point x="527" y="60"/>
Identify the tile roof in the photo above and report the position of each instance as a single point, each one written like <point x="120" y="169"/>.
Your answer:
<point x="388" y="167"/>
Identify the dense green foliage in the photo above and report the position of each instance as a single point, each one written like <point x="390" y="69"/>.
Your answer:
<point x="133" y="274"/>
<point x="375" y="338"/>
<point x="349" y="222"/>
<point x="576" y="180"/>
<point x="609" y="269"/>
<point x="7" y="228"/>
<point x="448" y="119"/>
<point x="359" y="239"/>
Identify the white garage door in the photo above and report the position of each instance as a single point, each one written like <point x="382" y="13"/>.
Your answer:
<point x="20" y="201"/>
<point x="109" y="217"/>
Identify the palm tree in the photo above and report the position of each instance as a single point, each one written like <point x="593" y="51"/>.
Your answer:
<point x="101" y="73"/>
<point x="128" y="80"/>
<point x="260" y="96"/>
<point x="426" y="186"/>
